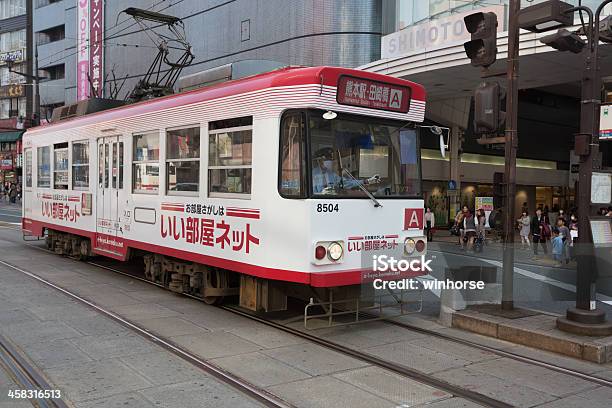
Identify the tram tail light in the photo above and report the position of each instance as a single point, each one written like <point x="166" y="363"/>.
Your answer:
<point x="421" y="246"/>
<point x="328" y="252"/>
<point x="320" y="252"/>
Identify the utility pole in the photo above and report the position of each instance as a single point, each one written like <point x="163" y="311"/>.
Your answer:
<point x="37" y="87"/>
<point x="29" y="57"/>
<point x="511" y="145"/>
<point x="585" y="318"/>
<point x="455" y="170"/>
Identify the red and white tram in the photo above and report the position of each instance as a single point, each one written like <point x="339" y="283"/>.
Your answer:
<point x="290" y="177"/>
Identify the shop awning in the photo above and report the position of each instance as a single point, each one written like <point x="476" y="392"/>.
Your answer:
<point x="11" y="136"/>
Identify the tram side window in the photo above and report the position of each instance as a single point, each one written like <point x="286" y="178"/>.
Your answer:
<point x="28" y="168"/>
<point x="183" y="161"/>
<point x="145" y="171"/>
<point x="80" y="165"/>
<point x="44" y="167"/>
<point x="292" y="182"/>
<point x="229" y="158"/>
<point x="60" y="166"/>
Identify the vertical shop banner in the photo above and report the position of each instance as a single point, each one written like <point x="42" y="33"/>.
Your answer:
<point x="96" y="49"/>
<point x="605" y="122"/>
<point x="82" y="49"/>
<point x="486" y="204"/>
<point x="90" y="48"/>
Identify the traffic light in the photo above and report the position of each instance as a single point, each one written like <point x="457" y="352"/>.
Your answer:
<point x="545" y="16"/>
<point x="564" y="40"/>
<point x="488" y="116"/>
<point x="482" y="49"/>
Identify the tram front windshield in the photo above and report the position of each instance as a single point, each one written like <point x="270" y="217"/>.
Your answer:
<point x="350" y="153"/>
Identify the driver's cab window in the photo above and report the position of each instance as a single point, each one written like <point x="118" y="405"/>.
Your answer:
<point x="349" y="154"/>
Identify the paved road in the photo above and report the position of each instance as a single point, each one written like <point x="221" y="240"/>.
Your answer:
<point x="10" y="213"/>
<point x="537" y="284"/>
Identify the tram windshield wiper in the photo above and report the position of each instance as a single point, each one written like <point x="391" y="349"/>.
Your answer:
<point x="359" y="182"/>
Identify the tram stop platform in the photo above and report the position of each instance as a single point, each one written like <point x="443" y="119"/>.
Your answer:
<point x="534" y="329"/>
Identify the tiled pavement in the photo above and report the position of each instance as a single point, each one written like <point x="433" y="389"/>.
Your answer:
<point x="100" y="363"/>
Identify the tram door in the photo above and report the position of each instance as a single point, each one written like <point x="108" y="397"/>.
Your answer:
<point x="110" y="183"/>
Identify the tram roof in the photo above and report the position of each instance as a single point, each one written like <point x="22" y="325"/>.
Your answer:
<point x="289" y="76"/>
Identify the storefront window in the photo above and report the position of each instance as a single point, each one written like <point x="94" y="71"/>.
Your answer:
<point x="183" y="160"/>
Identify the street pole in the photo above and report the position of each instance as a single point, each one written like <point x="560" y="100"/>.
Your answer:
<point x="510" y="154"/>
<point x="37" y="87"/>
<point x="455" y="171"/>
<point x="585" y="318"/>
<point x="29" y="57"/>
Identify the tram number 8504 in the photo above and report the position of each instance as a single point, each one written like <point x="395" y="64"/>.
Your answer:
<point x="328" y="208"/>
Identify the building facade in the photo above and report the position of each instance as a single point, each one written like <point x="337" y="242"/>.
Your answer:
<point x="299" y="32"/>
<point x="425" y="44"/>
<point x="13" y="89"/>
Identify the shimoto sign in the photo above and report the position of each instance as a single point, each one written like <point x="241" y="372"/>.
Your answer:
<point x="90" y="49"/>
<point x="605" y="122"/>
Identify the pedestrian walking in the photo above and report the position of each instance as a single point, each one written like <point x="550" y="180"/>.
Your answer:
<point x="540" y="231"/>
<point x="430" y="221"/>
<point x="459" y="225"/>
<point x="13" y="194"/>
<point x="469" y="227"/>
<point x="566" y="237"/>
<point x="553" y="215"/>
<point x="557" y="247"/>
<point x="525" y="228"/>
<point x="562" y="216"/>
<point x="481" y="233"/>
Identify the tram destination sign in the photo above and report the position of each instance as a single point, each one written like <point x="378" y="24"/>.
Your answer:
<point x="367" y="93"/>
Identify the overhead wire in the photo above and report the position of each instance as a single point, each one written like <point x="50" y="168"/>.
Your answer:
<point x="106" y="32"/>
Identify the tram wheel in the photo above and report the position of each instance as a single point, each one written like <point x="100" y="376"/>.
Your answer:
<point x="214" y="280"/>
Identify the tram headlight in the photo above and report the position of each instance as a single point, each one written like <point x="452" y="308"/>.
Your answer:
<point x="409" y="246"/>
<point x="335" y="251"/>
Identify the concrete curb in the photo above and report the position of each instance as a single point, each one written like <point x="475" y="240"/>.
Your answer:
<point x="537" y="331"/>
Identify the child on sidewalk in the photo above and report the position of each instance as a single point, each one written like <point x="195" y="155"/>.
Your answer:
<point x="557" y="247"/>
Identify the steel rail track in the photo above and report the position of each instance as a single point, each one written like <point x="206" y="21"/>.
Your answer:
<point x="238" y="383"/>
<point x="27" y="376"/>
<point x="494" y="350"/>
<point x="502" y="353"/>
<point x="397" y="368"/>
<point x="400" y="369"/>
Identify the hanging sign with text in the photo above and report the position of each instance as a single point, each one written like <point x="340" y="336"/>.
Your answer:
<point x="90" y="48"/>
